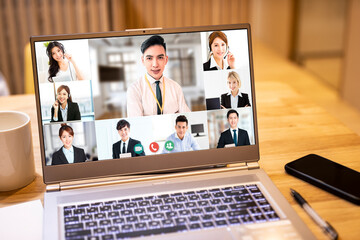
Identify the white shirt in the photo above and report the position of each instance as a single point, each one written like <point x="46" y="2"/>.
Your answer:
<point x="188" y="143"/>
<point x="63" y="113"/>
<point x="214" y="64"/>
<point x="234" y="100"/>
<point x="122" y="144"/>
<point x="65" y="76"/>
<point x="69" y="154"/>
<point x="142" y="102"/>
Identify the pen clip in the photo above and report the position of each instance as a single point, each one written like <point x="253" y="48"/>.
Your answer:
<point x="329" y="230"/>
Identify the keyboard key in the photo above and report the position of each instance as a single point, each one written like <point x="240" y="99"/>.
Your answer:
<point x="167" y="222"/>
<point x="215" y="201"/>
<point x="222" y="208"/>
<point x="140" y="226"/>
<point x="76" y="226"/>
<point x="190" y="204"/>
<point x="124" y="201"/>
<point x="106" y="222"/>
<point x="228" y="200"/>
<point x="91" y="224"/>
<point x="164" y="196"/>
<point x="165" y="208"/>
<point x="154" y="224"/>
<point x="203" y="203"/>
<point x="171" y="214"/>
<point x="100" y="216"/>
<point x="221" y="222"/>
<point x="207" y="217"/>
<point x="113" y="214"/>
<point x="96" y="204"/>
<point x="139" y="211"/>
<point x="71" y="207"/>
<point x="118" y="206"/>
<point x="158" y="216"/>
<point x="110" y="203"/>
<point x="181" y="199"/>
<point x="180" y="221"/>
<point x="194" y="219"/>
<point x="131" y="219"/>
<point x="126" y="213"/>
<point x="79" y="211"/>
<point x="207" y="224"/>
<point x="205" y="196"/>
<point x="145" y="218"/>
<point x="71" y="219"/>
<point x="220" y="215"/>
<point x="99" y="230"/>
<point x="127" y="227"/>
<point x="85" y="218"/>
<point x="105" y="208"/>
<point x="137" y="199"/>
<point x="113" y="229"/>
<point x="107" y="237"/>
<point x="193" y="197"/>
<point x="195" y="226"/>
<point x="169" y="200"/>
<point x="259" y="218"/>
<point x="151" y="232"/>
<point x="234" y="221"/>
<point x="67" y="213"/>
<point x="209" y="209"/>
<point x="156" y="202"/>
<point x="189" y="193"/>
<point x="91" y="238"/>
<point x="92" y="210"/>
<point x="255" y="211"/>
<point x="152" y="209"/>
<point x="176" y="194"/>
<point x="86" y="205"/>
<point x="118" y="221"/>
<point x="246" y="219"/>
<point x="197" y="211"/>
<point x="178" y="206"/>
<point x="272" y="216"/>
<point x="144" y="203"/>
<point x="130" y="205"/>
<point x="214" y="190"/>
<point x="78" y="234"/>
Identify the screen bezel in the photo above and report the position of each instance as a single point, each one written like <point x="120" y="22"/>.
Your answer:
<point x="146" y="164"/>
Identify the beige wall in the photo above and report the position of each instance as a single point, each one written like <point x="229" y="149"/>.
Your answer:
<point x="351" y="78"/>
<point x="271" y="22"/>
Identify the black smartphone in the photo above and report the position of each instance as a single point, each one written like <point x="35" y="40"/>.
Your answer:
<point x="327" y="175"/>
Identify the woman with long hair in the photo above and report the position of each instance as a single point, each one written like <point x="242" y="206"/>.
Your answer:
<point x="220" y="56"/>
<point x="67" y="153"/>
<point x="234" y="98"/>
<point x="62" y="65"/>
<point x="64" y="109"/>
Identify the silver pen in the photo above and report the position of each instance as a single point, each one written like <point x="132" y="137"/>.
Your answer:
<point x="325" y="226"/>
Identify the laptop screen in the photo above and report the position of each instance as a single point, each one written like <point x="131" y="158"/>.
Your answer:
<point x="144" y="101"/>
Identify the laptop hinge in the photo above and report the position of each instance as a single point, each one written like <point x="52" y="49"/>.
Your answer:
<point x="139" y="178"/>
<point x="53" y="187"/>
<point x="247" y="165"/>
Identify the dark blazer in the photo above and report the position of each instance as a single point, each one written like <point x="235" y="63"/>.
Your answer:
<point x="226" y="138"/>
<point x="59" y="157"/>
<point x="130" y="148"/>
<point x="73" y="113"/>
<point x="206" y="66"/>
<point x="242" y="101"/>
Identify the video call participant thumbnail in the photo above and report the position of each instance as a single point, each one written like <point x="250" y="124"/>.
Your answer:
<point x="234" y="136"/>
<point x="126" y="145"/>
<point x="155" y="94"/>
<point x="67" y="153"/>
<point x="220" y="56"/>
<point x="234" y="98"/>
<point x="64" y="109"/>
<point x="182" y="139"/>
<point x="62" y="65"/>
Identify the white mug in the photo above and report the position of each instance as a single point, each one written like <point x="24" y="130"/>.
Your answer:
<point x="17" y="167"/>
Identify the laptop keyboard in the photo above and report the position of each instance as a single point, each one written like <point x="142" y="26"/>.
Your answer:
<point x="167" y="213"/>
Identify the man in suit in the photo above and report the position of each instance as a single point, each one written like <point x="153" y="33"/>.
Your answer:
<point x="233" y="135"/>
<point x="126" y="144"/>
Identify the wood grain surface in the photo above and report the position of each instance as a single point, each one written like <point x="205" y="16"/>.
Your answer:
<point x="290" y="126"/>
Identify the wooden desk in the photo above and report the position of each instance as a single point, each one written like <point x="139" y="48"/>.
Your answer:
<point x="290" y="126"/>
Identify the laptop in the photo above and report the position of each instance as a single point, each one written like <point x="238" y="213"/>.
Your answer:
<point x="118" y="158"/>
